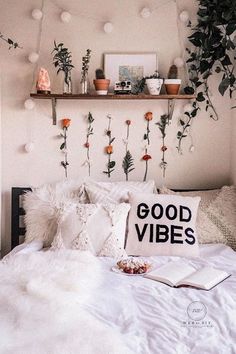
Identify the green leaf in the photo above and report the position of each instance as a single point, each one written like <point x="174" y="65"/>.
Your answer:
<point x="62" y="146"/>
<point x="189" y="90"/>
<point x="200" y="97"/>
<point x="224" y="86"/>
<point x="111" y="164"/>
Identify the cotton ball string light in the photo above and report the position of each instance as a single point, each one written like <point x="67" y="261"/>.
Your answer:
<point x="37" y="14"/>
<point x="29" y="147"/>
<point x="192" y="148"/>
<point x="29" y="104"/>
<point x="33" y="57"/>
<point x="188" y="107"/>
<point x="179" y="62"/>
<point x="65" y="17"/>
<point x="184" y="16"/>
<point x="145" y="12"/>
<point x="108" y="27"/>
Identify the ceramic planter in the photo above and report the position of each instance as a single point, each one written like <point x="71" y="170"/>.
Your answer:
<point x="154" y="86"/>
<point x="172" y="86"/>
<point x="101" y="86"/>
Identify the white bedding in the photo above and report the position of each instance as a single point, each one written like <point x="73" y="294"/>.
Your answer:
<point x="94" y="310"/>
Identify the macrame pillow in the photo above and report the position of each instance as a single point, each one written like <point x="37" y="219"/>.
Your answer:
<point x="97" y="228"/>
<point x="43" y="204"/>
<point x="208" y="232"/>
<point x="103" y="192"/>
<point x="162" y="225"/>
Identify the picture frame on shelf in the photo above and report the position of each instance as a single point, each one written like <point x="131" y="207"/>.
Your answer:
<point x="129" y="66"/>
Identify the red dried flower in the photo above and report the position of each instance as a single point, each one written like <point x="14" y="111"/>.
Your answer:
<point x="86" y="145"/>
<point x="109" y="149"/>
<point x="65" y="122"/>
<point x="148" y="116"/>
<point x="128" y="122"/>
<point x="146" y="157"/>
<point x="163" y="148"/>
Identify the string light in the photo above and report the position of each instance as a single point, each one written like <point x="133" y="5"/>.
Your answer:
<point x="37" y="14"/>
<point x="145" y="12"/>
<point x="29" y="104"/>
<point x="65" y="17"/>
<point x="33" y="57"/>
<point x="29" y="147"/>
<point x="108" y="27"/>
<point x="184" y="16"/>
<point x="179" y="62"/>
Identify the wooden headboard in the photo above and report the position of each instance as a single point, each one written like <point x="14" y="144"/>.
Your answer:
<point x="17" y="211"/>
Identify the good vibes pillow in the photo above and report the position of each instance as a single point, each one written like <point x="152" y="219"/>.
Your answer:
<point x="162" y="225"/>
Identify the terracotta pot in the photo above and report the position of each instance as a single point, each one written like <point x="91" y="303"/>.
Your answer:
<point x="172" y="86"/>
<point x="101" y="86"/>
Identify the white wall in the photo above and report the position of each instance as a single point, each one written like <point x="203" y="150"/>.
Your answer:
<point x="233" y="146"/>
<point x="208" y="166"/>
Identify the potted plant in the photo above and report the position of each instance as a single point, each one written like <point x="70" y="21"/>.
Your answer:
<point x="101" y="83"/>
<point x="172" y="84"/>
<point x="62" y="60"/>
<point x="154" y="83"/>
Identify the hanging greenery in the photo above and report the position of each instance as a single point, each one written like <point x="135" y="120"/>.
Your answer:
<point x="128" y="161"/>
<point x="65" y="125"/>
<point x="212" y="53"/>
<point x="10" y="42"/>
<point x="90" y="132"/>
<point x="109" y="149"/>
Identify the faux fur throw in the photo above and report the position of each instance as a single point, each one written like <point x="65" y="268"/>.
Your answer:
<point x="43" y="299"/>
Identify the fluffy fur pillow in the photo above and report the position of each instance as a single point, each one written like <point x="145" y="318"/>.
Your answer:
<point x="162" y="225"/>
<point x="97" y="228"/>
<point x="43" y="204"/>
<point x="103" y="192"/>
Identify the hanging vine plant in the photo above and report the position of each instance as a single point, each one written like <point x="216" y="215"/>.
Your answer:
<point x="212" y="53"/>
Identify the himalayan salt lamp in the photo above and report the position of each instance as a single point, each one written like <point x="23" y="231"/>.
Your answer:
<point x="43" y="82"/>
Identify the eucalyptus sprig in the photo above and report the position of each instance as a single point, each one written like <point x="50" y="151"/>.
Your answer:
<point x="62" y="60"/>
<point x="85" y="64"/>
<point x="10" y="42"/>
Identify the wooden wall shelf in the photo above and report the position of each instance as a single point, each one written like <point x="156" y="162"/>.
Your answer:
<point x="54" y="97"/>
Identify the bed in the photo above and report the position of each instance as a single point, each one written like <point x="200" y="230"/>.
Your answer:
<point x="71" y="302"/>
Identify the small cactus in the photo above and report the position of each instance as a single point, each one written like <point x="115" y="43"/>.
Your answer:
<point x="99" y="74"/>
<point x="173" y="72"/>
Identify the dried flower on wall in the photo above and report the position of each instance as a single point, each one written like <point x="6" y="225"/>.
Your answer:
<point x="65" y="125"/>
<point x="109" y="149"/>
<point x="128" y="161"/>
<point x="90" y="121"/>
<point x="10" y="42"/>
<point x="162" y="127"/>
<point x="146" y="157"/>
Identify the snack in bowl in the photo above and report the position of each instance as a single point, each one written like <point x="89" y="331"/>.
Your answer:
<point x="133" y="266"/>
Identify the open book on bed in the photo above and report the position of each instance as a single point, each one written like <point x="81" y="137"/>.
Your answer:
<point x="180" y="274"/>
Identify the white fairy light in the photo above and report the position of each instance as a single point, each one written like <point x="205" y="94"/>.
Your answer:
<point x="192" y="148"/>
<point x="29" y="104"/>
<point x="37" y="14"/>
<point x="29" y="147"/>
<point x="145" y="12"/>
<point x="108" y="27"/>
<point x="184" y="16"/>
<point x="179" y="62"/>
<point x="33" y="57"/>
<point x="65" y="17"/>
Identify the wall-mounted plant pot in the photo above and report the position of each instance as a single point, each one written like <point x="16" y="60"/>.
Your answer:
<point x="154" y="86"/>
<point x="172" y="86"/>
<point x="101" y="86"/>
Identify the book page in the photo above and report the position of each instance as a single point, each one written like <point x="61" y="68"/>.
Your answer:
<point x="171" y="273"/>
<point x="204" y="278"/>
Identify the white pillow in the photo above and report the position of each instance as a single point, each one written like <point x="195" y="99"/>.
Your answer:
<point x="97" y="228"/>
<point x="222" y="212"/>
<point x="207" y="230"/>
<point x="162" y="225"/>
<point x="43" y="204"/>
<point x="102" y="192"/>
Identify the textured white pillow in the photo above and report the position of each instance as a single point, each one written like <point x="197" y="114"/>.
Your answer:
<point x="162" y="225"/>
<point x="222" y="212"/>
<point x="43" y="204"/>
<point x="208" y="232"/>
<point x="103" y="192"/>
<point x="97" y="228"/>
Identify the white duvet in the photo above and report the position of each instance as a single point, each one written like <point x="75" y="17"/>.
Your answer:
<point x="71" y="303"/>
